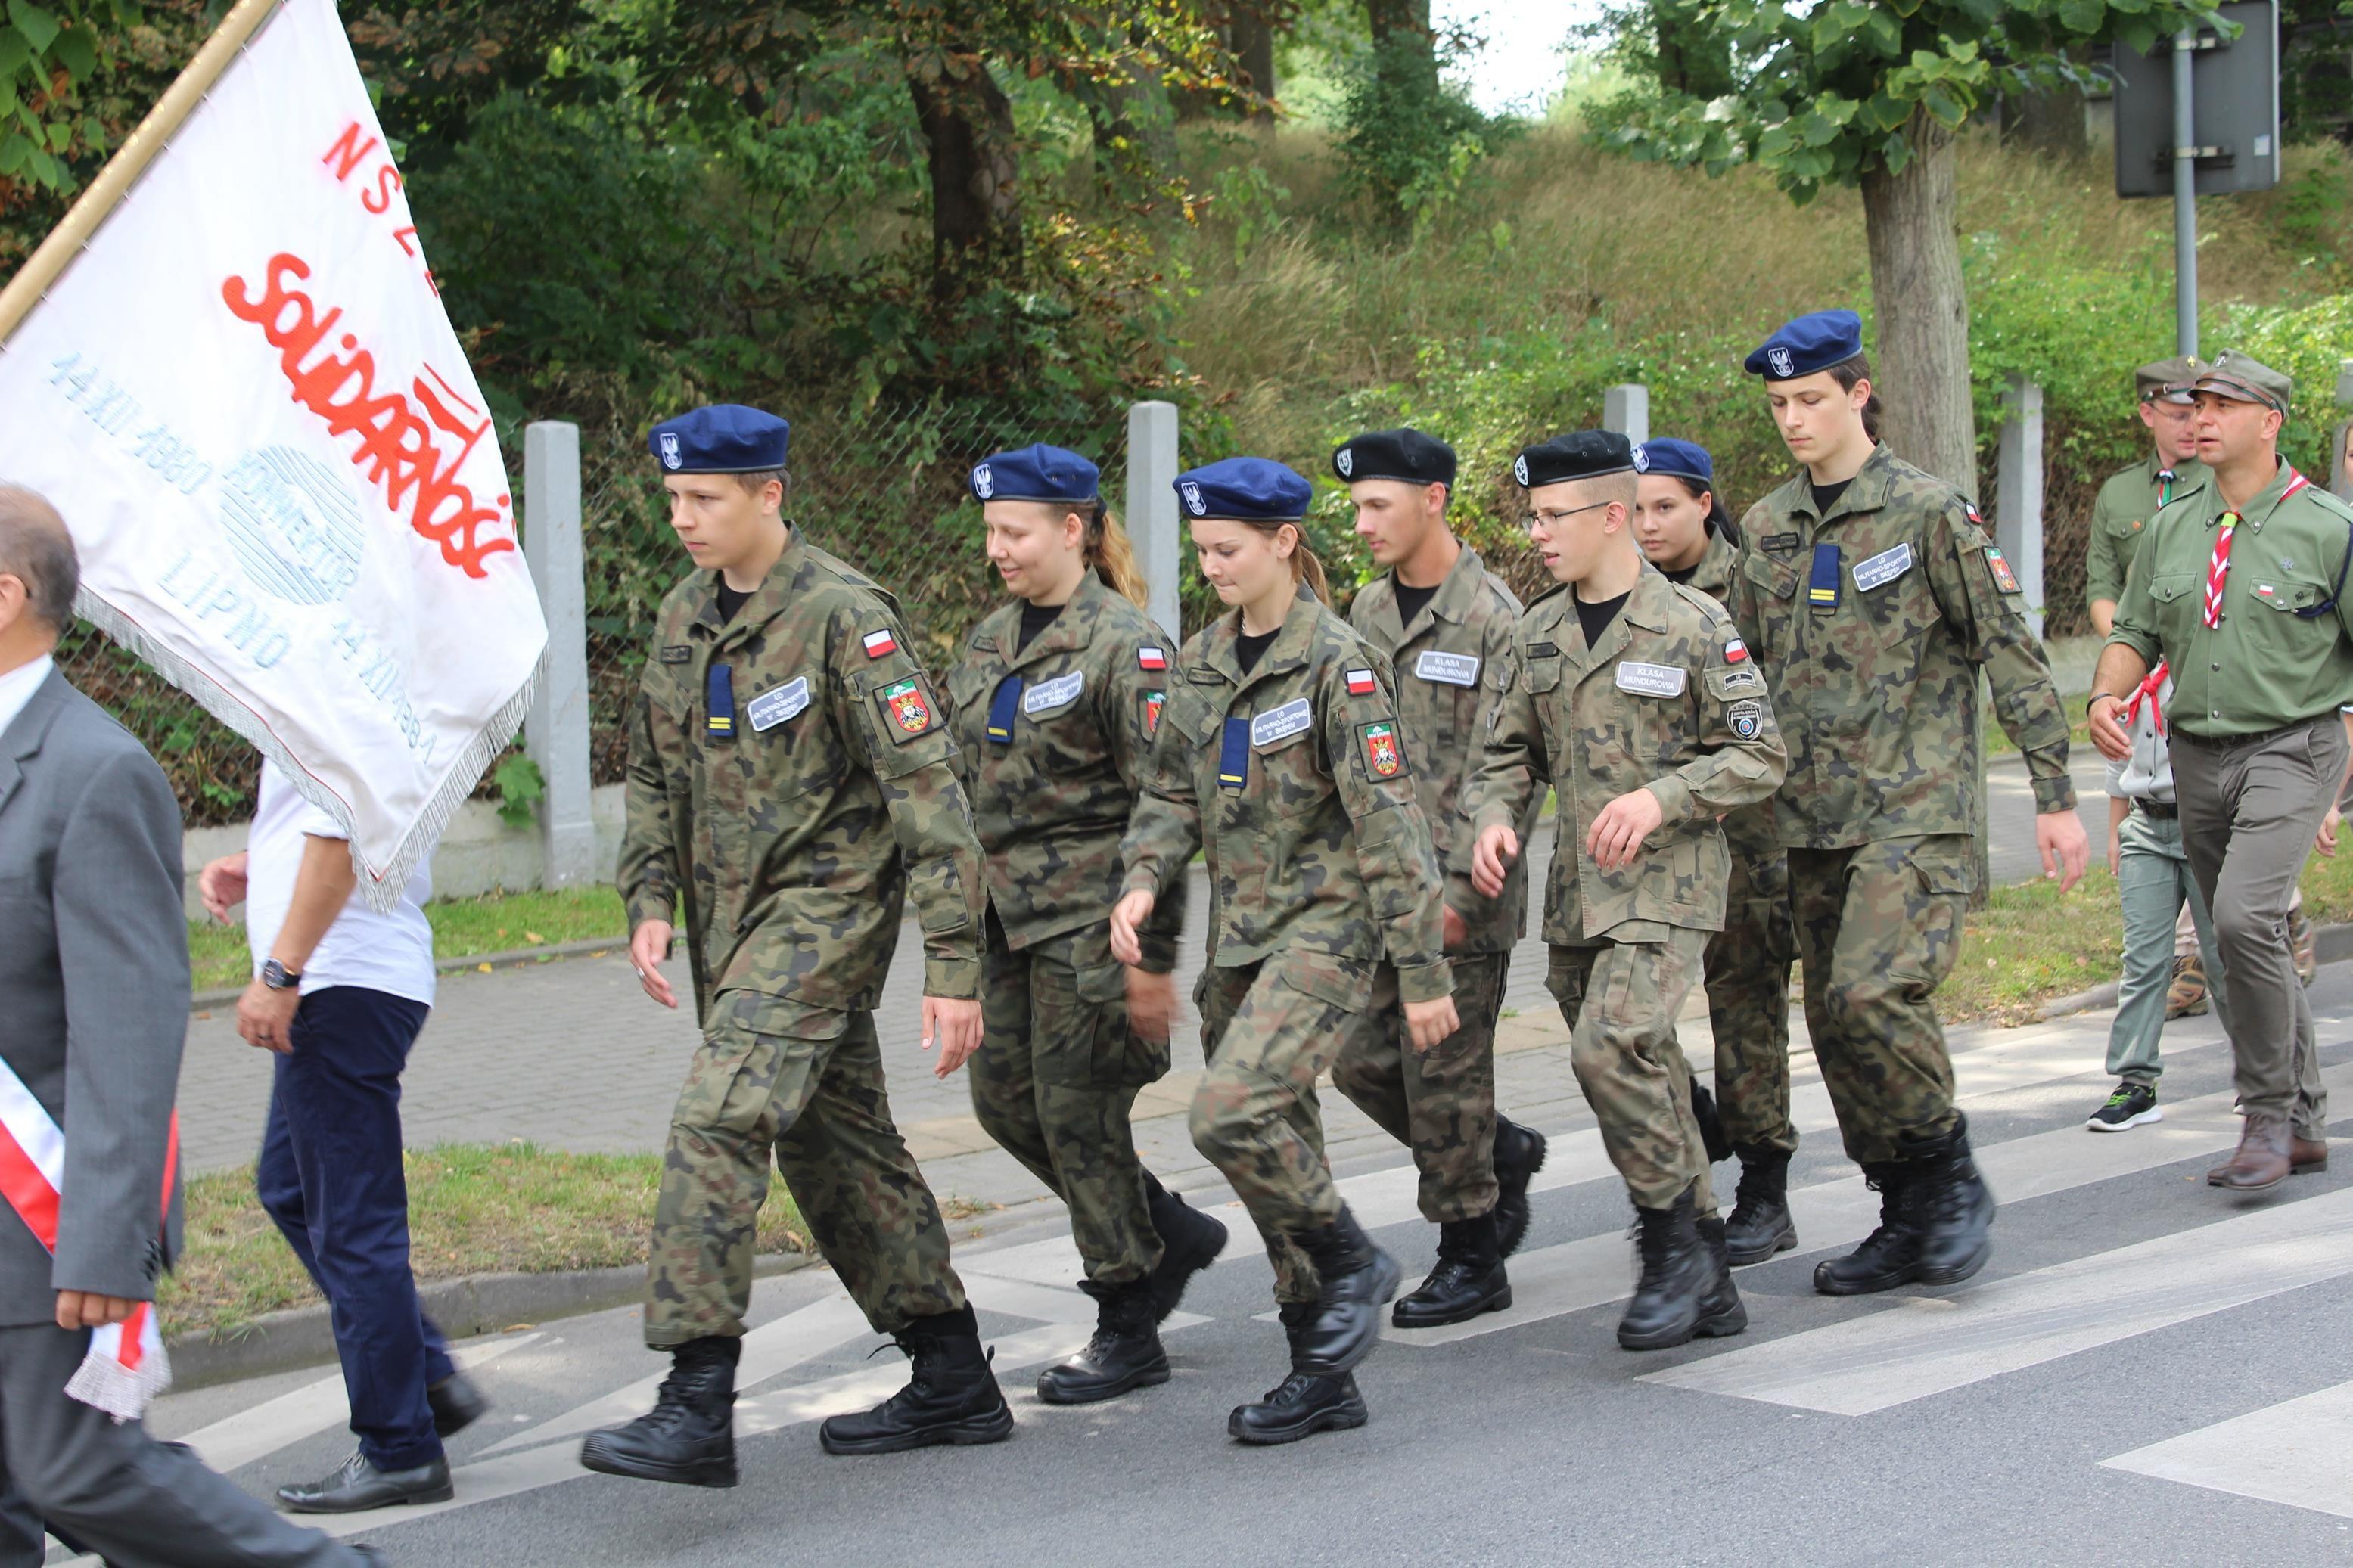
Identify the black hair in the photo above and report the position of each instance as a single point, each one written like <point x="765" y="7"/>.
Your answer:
<point x="1846" y="372"/>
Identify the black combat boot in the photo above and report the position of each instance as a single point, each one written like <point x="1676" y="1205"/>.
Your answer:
<point x="1678" y="1295"/>
<point x="689" y="1437"/>
<point x="1519" y="1155"/>
<point x="951" y="1397"/>
<point x="1190" y="1242"/>
<point x="1469" y="1279"/>
<point x="1892" y="1251"/>
<point x="1955" y="1211"/>
<point x="1722" y="1313"/>
<point x="1301" y="1403"/>
<point x="1357" y="1279"/>
<point x="1760" y="1224"/>
<point x="1125" y="1352"/>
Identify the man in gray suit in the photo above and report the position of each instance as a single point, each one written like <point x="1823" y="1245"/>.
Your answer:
<point x="94" y="989"/>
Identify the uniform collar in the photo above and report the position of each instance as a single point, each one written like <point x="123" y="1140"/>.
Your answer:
<point x="2183" y="471"/>
<point x="1287" y="652"/>
<point x="1647" y="606"/>
<point x="1867" y="491"/>
<point x="2265" y="501"/>
<point x="767" y="601"/>
<point x="1457" y="591"/>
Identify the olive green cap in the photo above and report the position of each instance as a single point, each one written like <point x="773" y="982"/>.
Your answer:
<point x="2233" y="375"/>
<point x="2167" y="379"/>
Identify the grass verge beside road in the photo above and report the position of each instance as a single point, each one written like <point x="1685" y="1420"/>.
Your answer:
<point x="495" y="922"/>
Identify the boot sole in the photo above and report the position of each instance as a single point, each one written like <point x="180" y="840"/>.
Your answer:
<point x="702" y="1475"/>
<point x="1826" y="1285"/>
<point x="1721" y="1326"/>
<point x="1784" y="1242"/>
<point x="1149" y="1377"/>
<point x="405" y="1499"/>
<point x="2319" y="1164"/>
<point x="994" y="1427"/>
<point x="1500" y="1302"/>
<point x="1933" y="1277"/>
<point x="1344" y="1420"/>
<point x="2230" y="1186"/>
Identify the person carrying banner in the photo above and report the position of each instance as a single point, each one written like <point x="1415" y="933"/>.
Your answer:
<point x="791" y="784"/>
<point x="95" y="973"/>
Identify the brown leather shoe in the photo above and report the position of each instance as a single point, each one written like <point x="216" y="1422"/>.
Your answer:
<point x="2308" y="1154"/>
<point x="2263" y="1161"/>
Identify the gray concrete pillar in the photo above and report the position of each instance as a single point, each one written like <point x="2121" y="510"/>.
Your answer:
<point x="2340" y="480"/>
<point x="2018" y="501"/>
<point x="1151" y="521"/>
<point x="555" y="735"/>
<point x="1626" y="408"/>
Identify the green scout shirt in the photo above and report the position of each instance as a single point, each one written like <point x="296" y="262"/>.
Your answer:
<point x="1875" y="681"/>
<point x="1451" y="664"/>
<point x="1295" y="782"/>
<point x="2264" y="666"/>
<point x="1670" y="701"/>
<point x="1052" y="796"/>
<point x="793" y="842"/>
<point x="2120" y="517"/>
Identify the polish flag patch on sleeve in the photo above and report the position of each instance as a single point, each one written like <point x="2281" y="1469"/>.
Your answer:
<point x="1150" y="657"/>
<point x="1735" y="651"/>
<point x="1360" y="683"/>
<point x="880" y="642"/>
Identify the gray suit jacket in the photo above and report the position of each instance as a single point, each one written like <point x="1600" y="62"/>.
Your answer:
<point x="93" y="992"/>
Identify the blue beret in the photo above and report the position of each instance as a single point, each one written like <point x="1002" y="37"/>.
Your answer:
<point x="1579" y="455"/>
<point x="1808" y="344"/>
<point x="1036" y="473"/>
<point x="1679" y="459"/>
<point x="724" y="439"/>
<point x="1244" y="490"/>
<point x="1404" y="455"/>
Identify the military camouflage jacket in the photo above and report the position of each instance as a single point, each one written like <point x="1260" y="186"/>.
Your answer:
<point x="1295" y="782"/>
<point x="1054" y="761"/>
<point x="1871" y="625"/>
<point x="1713" y="575"/>
<point x="1748" y="832"/>
<point x="1451" y="664"/>
<point x="1669" y="701"/>
<point x="2121" y="514"/>
<point x="792" y="839"/>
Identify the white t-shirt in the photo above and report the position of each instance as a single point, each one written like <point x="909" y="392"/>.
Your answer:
<point x="391" y="952"/>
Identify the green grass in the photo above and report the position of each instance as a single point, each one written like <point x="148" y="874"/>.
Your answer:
<point x="473" y="1209"/>
<point x="495" y="922"/>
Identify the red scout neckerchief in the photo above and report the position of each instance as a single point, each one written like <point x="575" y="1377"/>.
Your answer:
<point x="2147" y="688"/>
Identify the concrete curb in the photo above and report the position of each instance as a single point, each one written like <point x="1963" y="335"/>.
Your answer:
<point x="511" y="958"/>
<point x="476" y="1304"/>
<point x="2331" y="944"/>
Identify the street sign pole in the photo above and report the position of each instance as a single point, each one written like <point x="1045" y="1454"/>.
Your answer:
<point x="2185" y="194"/>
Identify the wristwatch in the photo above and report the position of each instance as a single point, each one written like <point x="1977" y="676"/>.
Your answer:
<point x="277" y="977"/>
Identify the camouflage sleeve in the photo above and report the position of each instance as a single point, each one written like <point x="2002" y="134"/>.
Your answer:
<point x="895" y="709"/>
<point x="649" y="875"/>
<point x="1394" y="856"/>
<point x="2104" y="575"/>
<point x="1163" y="830"/>
<point x="1134" y="698"/>
<point x="1984" y="605"/>
<point x="1741" y="757"/>
<point x="1496" y="681"/>
<point x="1740" y="596"/>
<point x="2136" y="625"/>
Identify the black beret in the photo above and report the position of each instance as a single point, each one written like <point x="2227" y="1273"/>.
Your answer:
<point x="1579" y="455"/>
<point x="1404" y="455"/>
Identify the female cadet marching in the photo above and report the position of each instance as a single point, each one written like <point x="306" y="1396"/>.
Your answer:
<point x="1279" y="756"/>
<point x="1686" y="531"/>
<point x="1054" y="706"/>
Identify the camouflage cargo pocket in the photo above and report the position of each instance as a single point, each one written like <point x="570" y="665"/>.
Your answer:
<point x="761" y="1048"/>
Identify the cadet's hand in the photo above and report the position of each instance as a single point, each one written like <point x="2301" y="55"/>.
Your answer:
<point x="649" y="950"/>
<point x="1491" y="858"/>
<point x="957" y="1027"/>
<point x="1126" y="915"/>
<point x="1430" y="1022"/>
<point x="1453" y="926"/>
<point x="1150" y="1005"/>
<point x="1618" y="829"/>
<point x="2107" y="733"/>
<point x="89" y="1310"/>
<point x="2324" y="840"/>
<point x="2066" y="848"/>
<point x="221" y="885"/>
<point x="263" y="1017"/>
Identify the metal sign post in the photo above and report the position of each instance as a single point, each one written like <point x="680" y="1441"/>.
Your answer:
<point x="2185" y="192"/>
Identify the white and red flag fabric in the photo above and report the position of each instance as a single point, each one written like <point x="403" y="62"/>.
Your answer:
<point x="245" y="398"/>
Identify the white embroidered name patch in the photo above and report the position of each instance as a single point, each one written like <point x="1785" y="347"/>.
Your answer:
<point x="1651" y="679"/>
<point x="1883" y="568"/>
<point x="1281" y="723"/>
<point x="1453" y="669"/>
<point x="1058" y="692"/>
<point x="773" y="707"/>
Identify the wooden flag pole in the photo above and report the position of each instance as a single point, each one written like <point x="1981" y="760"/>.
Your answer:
<point x="93" y="206"/>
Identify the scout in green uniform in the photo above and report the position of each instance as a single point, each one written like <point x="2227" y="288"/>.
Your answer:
<point x="1633" y="698"/>
<point x="1055" y="703"/>
<point x="2240" y="588"/>
<point x="1445" y="623"/>
<point x="1281" y="758"/>
<point x="790" y="784"/>
<point x="2130" y="498"/>
<point x="1876" y="603"/>
<point x="1684" y="530"/>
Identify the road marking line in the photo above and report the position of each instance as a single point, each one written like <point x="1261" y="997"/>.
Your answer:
<point x="2299" y="1452"/>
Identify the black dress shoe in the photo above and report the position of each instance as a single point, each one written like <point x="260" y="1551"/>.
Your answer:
<point x="355" y="1486"/>
<point x="456" y="1403"/>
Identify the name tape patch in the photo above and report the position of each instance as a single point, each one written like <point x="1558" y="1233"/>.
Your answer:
<point x="1651" y="679"/>
<point x="1058" y="692"/>
<point x="677" y="653"/>
<point x="1281" y="723"/>
<point x="773" y="707"/>
<point x="1883" y="568"/>
<point x="1453" y="668"/>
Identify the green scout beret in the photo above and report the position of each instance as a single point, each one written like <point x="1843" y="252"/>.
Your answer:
<point x="2167" y="380"/>
<point x="2233" y="375"/>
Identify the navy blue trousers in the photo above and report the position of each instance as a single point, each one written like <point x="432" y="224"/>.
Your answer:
<point x="330" y="1174"/>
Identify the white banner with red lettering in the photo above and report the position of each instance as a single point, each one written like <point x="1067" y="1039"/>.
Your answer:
<point x="247" y="402"/>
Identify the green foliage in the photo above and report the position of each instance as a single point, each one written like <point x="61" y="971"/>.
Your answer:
<point x="1410" y="140"/>
<point x="47" y="54"/>
<point x="518" y="787"/>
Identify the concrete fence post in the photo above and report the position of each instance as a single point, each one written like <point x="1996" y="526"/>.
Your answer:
<point x="2018" y="501"/>
<point x="1152" y="525"/>
<point x="1626" y="408"/>
<point x="555" y="735"/>
<point x="2340" y="476"/>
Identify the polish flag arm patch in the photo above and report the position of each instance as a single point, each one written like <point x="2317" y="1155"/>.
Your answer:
<point x="1150" y="657"/>
<point x="880" y="642"/>
<point x="1360" y="683"/>
<point x="1735" y="651"/>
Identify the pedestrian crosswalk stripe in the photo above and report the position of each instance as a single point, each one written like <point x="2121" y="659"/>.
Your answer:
<point x="250" y="1435"/>
<point x="2299" y="1452"/>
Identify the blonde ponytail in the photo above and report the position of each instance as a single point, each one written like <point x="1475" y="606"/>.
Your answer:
<point x="1306" y="566"/>
<point x="1113" y="556"/>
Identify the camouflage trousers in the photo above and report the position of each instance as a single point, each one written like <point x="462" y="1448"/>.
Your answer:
<point x="1440" y="1103"/>
<point x="1621" y="999"/>
<point x="1270" y="1030"/>
<point x="806" y="1083"/>
<point x="1748" y="1003"/>
<point x="1878" y="927"/>
<point x="1053" y="1082"/>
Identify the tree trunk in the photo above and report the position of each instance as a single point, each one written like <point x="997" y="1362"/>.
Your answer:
<point x="1403" y="26"/>
<point x="1251" y="37"/>
<point x="1922" y="364"/>
<point x="968" y="125"/>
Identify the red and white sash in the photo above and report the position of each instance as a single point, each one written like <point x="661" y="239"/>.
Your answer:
<point x="126" y="1366"/>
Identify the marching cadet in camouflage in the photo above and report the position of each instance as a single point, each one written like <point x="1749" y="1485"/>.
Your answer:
<point x="1633" y="698"/>
<point x="1874" y="599"/>
<point x="1689" y="536"/>
<point x="790" y="784"/>
<point x="1445" y="623"/>
<point x="1278" y="755"/>
<point x="1054" y="706"/>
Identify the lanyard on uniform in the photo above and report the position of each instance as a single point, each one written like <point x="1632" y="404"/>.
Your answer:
<point x="1233" y="754"/>
<point x="1000" y="709"/>
<point x="719" y="705"/>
